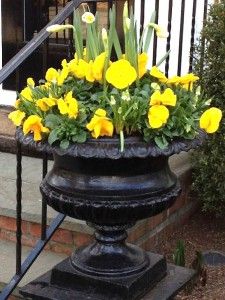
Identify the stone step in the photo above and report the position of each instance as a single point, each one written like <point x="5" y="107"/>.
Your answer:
<point x="44" y="263"/>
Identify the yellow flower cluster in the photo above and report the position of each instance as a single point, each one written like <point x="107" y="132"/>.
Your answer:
<point x="158" y="113"/>
<point x="185" y="81"/>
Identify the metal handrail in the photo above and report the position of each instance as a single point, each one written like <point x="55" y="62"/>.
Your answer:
<point x="36" y="41"/>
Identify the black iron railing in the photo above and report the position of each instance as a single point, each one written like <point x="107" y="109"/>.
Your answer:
<point x="39" y="39"/>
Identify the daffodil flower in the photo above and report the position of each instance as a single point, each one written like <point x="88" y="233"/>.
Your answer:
<point x="17" y="117"/>
<point x="100" y="125"/>
<point x="58" y="27"/>
<point x="159" y="30"/>
<point x="88" y="17"/>
<point x="34" y="125"/>
<point x="210" y="119"/>
<point x="158" y="116"/>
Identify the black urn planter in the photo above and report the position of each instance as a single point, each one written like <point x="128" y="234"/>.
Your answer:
<point x="111" y="191"/>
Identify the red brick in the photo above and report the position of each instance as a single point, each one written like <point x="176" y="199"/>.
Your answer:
<point x="9" y="223"/>
<point x="63" y="236"/>
<point x="7" y="235"/>
<point x="61" y="248"/>
<point x="146" y="227"/>
<point x="179" y="203"/>
<point x="158" y="219"/>
<point x="81" y="239"/>
<point x="35" y="229"/>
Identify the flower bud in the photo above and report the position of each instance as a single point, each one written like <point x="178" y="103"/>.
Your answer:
<point x="125" y="10"/>
<point x="58" y="27"/>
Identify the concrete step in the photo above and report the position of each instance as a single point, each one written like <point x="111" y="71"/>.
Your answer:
<point x="44" y="263"/>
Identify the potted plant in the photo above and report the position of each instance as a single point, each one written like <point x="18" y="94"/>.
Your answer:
<point x="111" y="125"/>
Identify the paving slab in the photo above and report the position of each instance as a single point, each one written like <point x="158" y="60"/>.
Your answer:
<point x="44" y="262"/>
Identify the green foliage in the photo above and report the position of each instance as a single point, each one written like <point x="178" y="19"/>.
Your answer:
<point x="179" y="254"/>
<point x="209" y="161"/>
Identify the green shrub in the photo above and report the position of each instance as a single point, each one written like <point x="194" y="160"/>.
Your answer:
<point x="209" y="161"/>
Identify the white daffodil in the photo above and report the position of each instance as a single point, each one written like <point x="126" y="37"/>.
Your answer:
<point x="104" y="34"/>
<point x="88" y="17"/>
<point x="159" y="30"/>
<point x="58" y="27"/>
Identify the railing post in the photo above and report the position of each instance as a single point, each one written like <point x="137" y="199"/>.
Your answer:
<point x="18" y="209"/>
<point x="44" y="204"/>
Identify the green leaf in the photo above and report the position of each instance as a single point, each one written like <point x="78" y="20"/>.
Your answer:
<point x="52" y="121"/>
<point x="163" y="58"/>
<point x="64" y="144"/>
<point x="160" y="142"/>
<point x="53" y="136"/>
<point x="81" y="138"/>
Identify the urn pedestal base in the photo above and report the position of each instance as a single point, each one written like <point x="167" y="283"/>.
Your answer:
<point x="65" y="282"/>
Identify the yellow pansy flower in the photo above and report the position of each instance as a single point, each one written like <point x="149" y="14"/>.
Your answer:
<point x="100" y="125"/>
<point x="187" y="81"/>
<point x="17" y="102"/>
<point x="155" y="72"/>
<point x="52" y="75"/>
<point x="157" y="116"/>
<point x="34" y="125"/>
<point x="63" y="74"/>
<point x="173" y="80"/>
<point x="210" y="119"/>
<point x="166" y="98"/>
<point x="142" y="64"/>
<point x="121" y="74"/>
<point x="78" y="68"/>
<point x="88" y="17"/>
<point x="27" y="93"/>
<point x="46" y="103"/>
<point x="68" y="105"/>
<point x="98" y="66"/>
<point x="30" y="82"/>
<point x="89" y="74"/>
<point x="17" y="117"/>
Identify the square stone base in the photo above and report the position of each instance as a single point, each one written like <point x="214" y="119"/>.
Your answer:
<point x="64" y="282"/>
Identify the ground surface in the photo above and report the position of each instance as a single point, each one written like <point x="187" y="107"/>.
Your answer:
<point x="201" y="233"/>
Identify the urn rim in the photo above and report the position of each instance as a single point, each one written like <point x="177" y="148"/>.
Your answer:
<point x="110" y="147"/>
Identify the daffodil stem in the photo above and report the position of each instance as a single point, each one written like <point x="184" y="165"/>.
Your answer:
<point x="121" y="141"/>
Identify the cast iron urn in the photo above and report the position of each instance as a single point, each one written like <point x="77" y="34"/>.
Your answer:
<point x="111" y="190"/>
